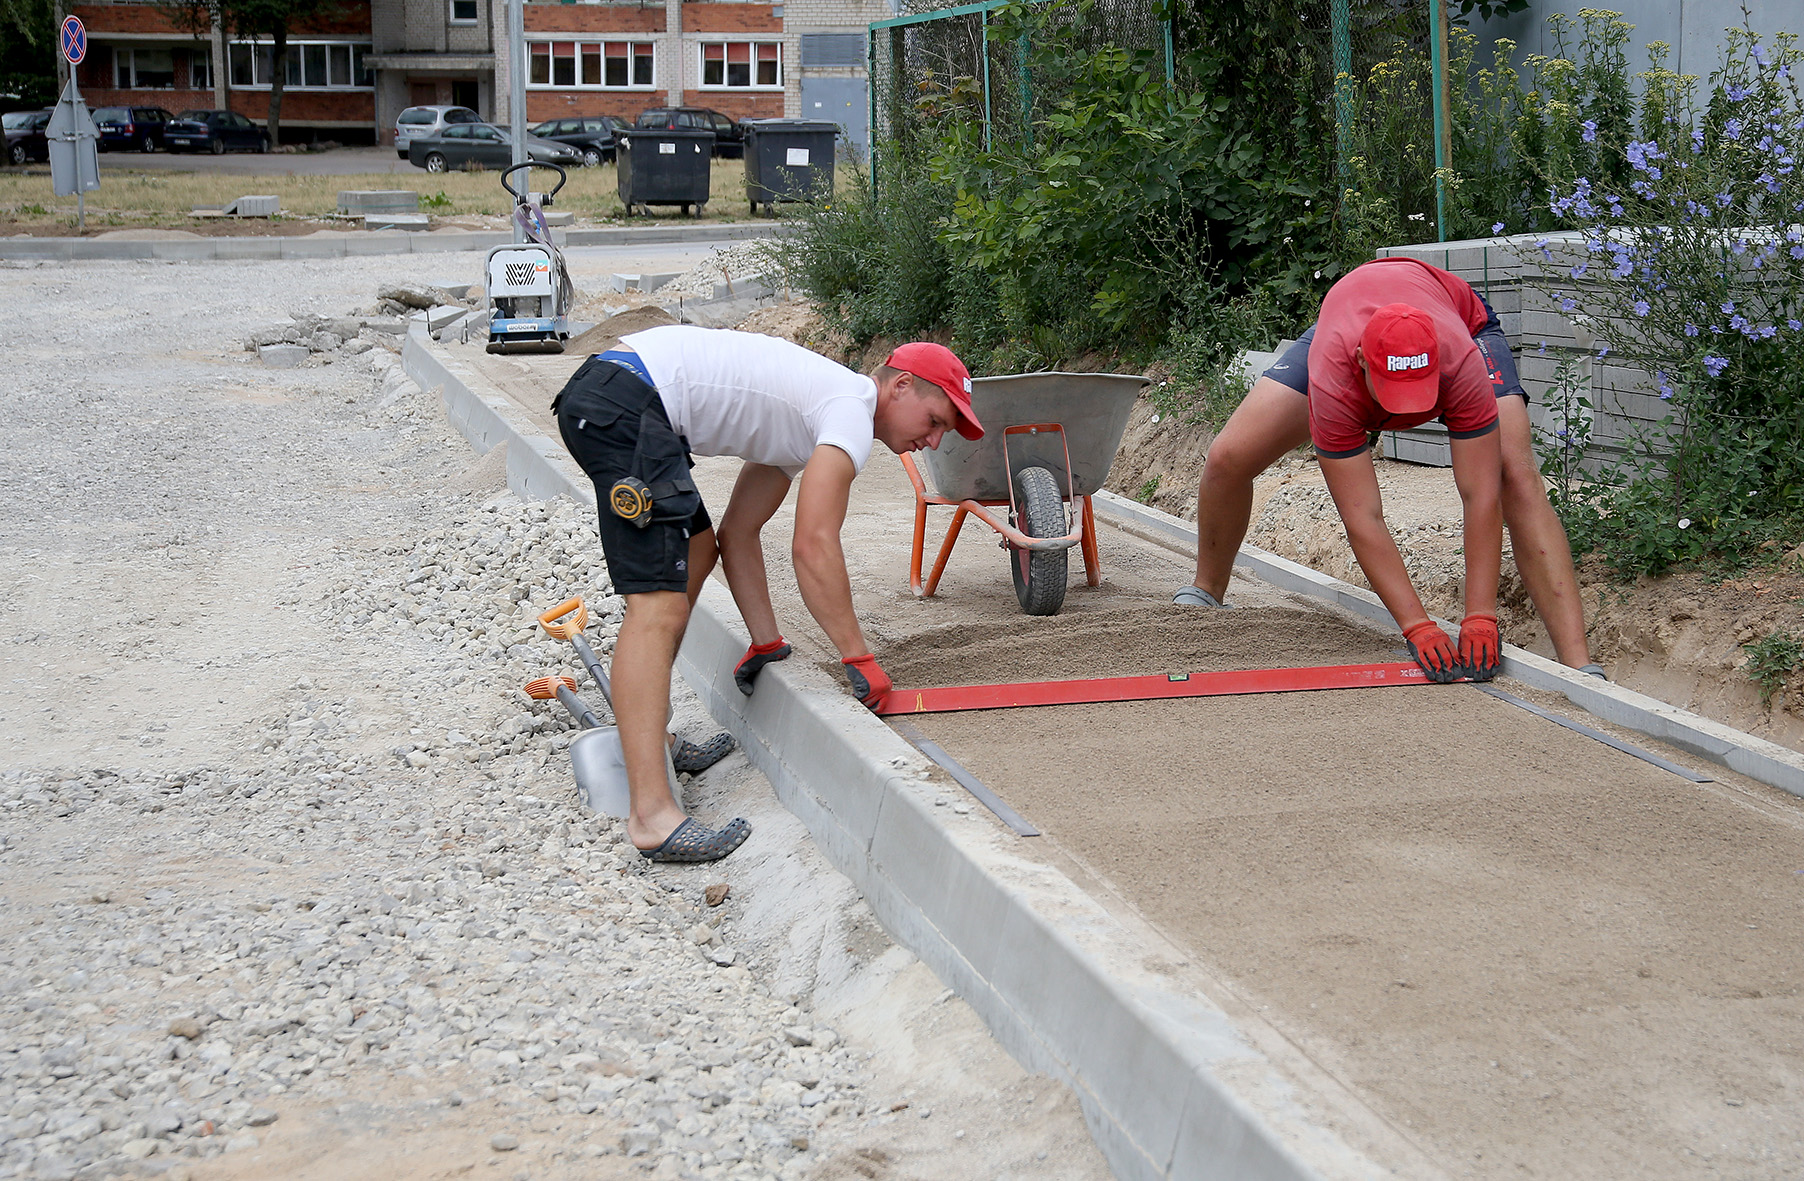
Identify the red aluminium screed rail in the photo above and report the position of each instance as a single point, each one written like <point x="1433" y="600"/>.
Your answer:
<point x="1082" y="692"/>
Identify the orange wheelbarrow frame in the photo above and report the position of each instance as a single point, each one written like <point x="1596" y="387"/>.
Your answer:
<point x="1078" y="515"/>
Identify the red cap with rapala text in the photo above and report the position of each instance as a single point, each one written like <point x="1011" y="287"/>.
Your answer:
<point x="1403" y="357"/>
<point x="935" y="363"/>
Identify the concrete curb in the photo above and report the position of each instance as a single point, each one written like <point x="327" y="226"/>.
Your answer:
<point x="358" y="243"/>
<point x="1060" y="981"/>
<point x="1756" y="758"/>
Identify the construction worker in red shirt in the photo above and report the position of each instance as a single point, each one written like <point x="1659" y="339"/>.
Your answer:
<point x="1399" y="342"/>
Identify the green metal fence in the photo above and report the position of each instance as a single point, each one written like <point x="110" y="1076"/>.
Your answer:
<point x="936" y="67"/>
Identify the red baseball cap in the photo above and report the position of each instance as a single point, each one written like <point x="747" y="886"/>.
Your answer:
<point x="1403" y="356"/>
<point x="935" y="363"/>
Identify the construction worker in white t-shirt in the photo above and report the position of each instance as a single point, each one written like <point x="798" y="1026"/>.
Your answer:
<point x="633" y="417"/>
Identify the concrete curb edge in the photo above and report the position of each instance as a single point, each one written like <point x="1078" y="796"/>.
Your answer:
<point x="1056" y="978"/>
<point x="352" y="244"/>
<point x="1756" y="758"/>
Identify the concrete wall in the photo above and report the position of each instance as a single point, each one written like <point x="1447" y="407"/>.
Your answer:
<point x="1694" y="28"/>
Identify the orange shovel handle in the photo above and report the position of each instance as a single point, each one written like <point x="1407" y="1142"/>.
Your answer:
<point x="545" y="688"/>
<point x="556" y="624"/>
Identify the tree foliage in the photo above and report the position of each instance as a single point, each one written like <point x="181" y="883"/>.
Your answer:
<point x="253" y="19"/>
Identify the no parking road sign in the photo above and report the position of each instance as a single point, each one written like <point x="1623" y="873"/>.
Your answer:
<point x="74" y="40"/>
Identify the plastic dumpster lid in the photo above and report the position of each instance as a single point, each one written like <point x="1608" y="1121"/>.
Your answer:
<point x="791" y="125"/>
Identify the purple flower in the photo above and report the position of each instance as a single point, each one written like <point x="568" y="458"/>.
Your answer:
<point x="1641" y="307"/>
<point x="1603" y="350"/>
<point x="1797" y="252"/>
<point x="1665" y="389"/>
<point x="1740" y="324"/>
<point x="1542" y="351"/>
<point x="1794" y="325"/>
<point x="1759" y="52"/>
<point x="1723" y="198"/>
<point x="1497" y="227"/>
<point x="1732" y="128"/>
<point x="1568" y="305"/>
<point x="1578" y="272"/>
<point x="1691" y="329"/>
<point x="1767" y="332"/>
<point x="1697" y="142"/>
<point x="1728" y="306"/>
<point x="1588" y="129"/>
<point x="1738" y="246"/>
<point x="1737" y="94"/>
<point x="1715" y="365"/>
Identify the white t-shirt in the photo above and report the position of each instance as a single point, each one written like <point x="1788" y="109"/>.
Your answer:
<point x="757" y="397"/>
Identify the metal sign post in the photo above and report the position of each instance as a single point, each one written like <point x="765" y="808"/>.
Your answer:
<point x="516" y="93"/>
<point x="74" y="140"/>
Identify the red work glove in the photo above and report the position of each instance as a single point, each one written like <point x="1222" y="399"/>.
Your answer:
<point x="1430" y="648"/>
<point x="754" y="660"/>
<point x="869" y="682"/>
<point x="1480" y="648"/>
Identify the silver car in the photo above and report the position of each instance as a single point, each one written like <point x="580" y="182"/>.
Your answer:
<point x="482" y="145"/>
<point x="415" y="122"/>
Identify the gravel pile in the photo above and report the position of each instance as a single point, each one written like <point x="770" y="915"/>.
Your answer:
<point x="473" y="926"/>
<point x="743" y="264"/>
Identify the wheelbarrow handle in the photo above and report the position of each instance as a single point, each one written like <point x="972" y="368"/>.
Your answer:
<point x="556" y="623"/>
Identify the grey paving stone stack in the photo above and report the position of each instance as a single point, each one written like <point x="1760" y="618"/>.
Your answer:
<point x="1523" y="283"/>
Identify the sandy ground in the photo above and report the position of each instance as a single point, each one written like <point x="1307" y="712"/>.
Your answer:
<point x="1527" y="954"/>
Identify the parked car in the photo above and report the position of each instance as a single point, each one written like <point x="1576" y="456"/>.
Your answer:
<point x="729" y="137"/>
<point x="214" y="131"/>
<point x="25" y="138"/>
<point x="482" y="145"/>
<point x="131" y="127"/>
<point x="592" y="135"/>
<point x="416" y="122"/>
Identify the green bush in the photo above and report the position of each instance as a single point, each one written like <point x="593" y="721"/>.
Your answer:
<point x="1771" y="660"/>
<point x="1694" y="273"/>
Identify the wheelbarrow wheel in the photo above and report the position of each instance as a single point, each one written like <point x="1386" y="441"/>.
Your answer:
<point x="1040" y="576"/>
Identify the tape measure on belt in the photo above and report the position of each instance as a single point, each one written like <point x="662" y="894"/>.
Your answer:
<point x="631" y="498"/>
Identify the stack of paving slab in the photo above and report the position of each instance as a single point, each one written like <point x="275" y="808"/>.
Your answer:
<point x="383" y="209"/>
<point x="251" y="206"/>
<point x="1521" y="277"/>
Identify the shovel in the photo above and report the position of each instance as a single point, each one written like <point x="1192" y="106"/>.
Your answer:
<point x="595" y="754"/>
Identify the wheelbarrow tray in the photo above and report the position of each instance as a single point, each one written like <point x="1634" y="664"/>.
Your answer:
<point x="1092" y="407"/>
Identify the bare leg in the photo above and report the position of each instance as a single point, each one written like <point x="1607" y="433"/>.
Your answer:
<point x="643" y="655"/>
<point x="1273" y="419"/>
<point x="703" y="553"/>
<point x="1543" y="555"/>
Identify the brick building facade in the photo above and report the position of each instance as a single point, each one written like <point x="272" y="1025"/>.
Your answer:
<point x="351" y="73"/>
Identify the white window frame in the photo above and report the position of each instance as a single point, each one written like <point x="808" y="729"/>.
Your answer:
<point x="599" y="44"/>
<point x="451" y="12"/>
<point x="125" y="66"/>
<point x="200" y="61"/>
<point x="261" y="51"/>
<point x="753" y="44"/>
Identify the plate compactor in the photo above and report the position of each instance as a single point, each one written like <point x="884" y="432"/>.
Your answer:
<point x="529" y="288"/>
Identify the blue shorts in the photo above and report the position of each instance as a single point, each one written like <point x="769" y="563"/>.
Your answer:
<point x="1292" y="368"/>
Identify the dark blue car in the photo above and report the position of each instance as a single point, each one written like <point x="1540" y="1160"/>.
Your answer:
<point x="214" y="131"/>
<point x="131" y="128"/>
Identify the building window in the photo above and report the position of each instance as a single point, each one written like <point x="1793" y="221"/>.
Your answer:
<point x="742" y="64"/>
<point x="144" y="69"/>
<point x="589" y="65"/>
<point x="200" y="69"/>
<point x="463" y="12"/>
<point x="312" y="65"/>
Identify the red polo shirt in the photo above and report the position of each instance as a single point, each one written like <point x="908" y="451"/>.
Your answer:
<point x="1342" y="411"/>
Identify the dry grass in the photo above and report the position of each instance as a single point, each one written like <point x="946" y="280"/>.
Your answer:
<point x="162" y="198"/>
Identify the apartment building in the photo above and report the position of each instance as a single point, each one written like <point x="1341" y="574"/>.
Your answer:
<point x="351" y="72"/>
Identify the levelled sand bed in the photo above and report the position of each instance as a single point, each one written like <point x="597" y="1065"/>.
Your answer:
<point x="1530" y="954"/>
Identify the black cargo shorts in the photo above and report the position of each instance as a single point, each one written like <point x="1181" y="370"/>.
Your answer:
<point x="614" y="426"/>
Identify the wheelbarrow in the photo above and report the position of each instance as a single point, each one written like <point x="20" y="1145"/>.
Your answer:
<point x="1046" y="450"/>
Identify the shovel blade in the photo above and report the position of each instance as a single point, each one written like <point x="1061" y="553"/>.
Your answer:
<point x="600" y="769"/>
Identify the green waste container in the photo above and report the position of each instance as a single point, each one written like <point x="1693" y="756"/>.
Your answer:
<point x="788" y="160"/>
<point x="663" y="166"/>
